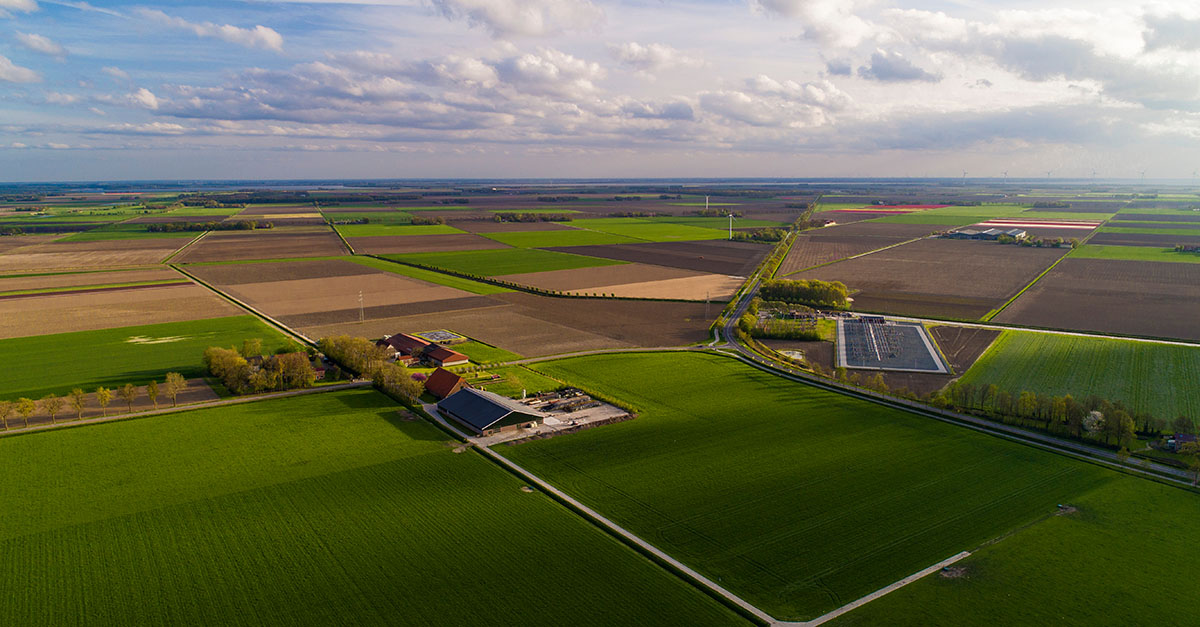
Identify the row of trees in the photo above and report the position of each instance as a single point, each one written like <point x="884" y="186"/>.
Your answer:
<point x="286" y="371"/>
<point x="832" y="294"/>
<point x="177" y="227"/>
<point x="760" y="235"/>
<point x="532" y="217"/>
<point x="1039" y="242"/>
<point x="77" y="400"/>
<point x="371" y="360"/>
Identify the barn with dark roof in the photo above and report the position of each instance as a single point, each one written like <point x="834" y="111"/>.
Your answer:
<point x="485" y="413"/>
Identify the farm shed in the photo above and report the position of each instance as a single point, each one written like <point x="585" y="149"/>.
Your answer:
<point x="442" y="356"/>
<point x="443" y="383"/>
<point x="485" y="413"/>
<point x="403" y="345"/>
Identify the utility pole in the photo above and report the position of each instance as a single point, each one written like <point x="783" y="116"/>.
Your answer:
<point x="361" y="315"/>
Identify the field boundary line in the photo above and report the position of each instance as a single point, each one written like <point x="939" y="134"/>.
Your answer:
<point x="853" y="605"/>
<point x="268" y="319"/>
<point x="869" y="252"/>
<point x="189" y="407"/>
<point x="345" y="242"/>
<point x="995" y="312"/>
<point x="185" y="247"/>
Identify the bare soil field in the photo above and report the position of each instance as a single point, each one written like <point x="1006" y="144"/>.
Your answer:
<point x="634" y="280"/>
<point x="961" y="346"/>
<point x="1149" y="298"/>
<point x="712" y="256"/>
<point x="14" y="242"/>
<point x="304" y="296"/>
<point x="1157" y="240"/>
<point x="240" y="273"/>
<point x="197" y="391"/>
<point x="174" y="217"/>
<point x="717" y="288"/>
<point x="640" y="323"/>
<point x="341" y="316"/>
<point x="87" y="278"/>
<point x="832" y="243"/>
<point x="60" y="313"/>
<point x="264" y="244"/>
<point x="1156" y="217"/>
<point x="938" y="277"/>
<point x="820" y="353"/>
<point x="491" y="226"/>
<point x="1125" y="223"/>
<point x="53" y="256"/>
<point x="399" y="244"/>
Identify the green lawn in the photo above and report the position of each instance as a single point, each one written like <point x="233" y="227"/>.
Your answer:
<point x="125" y="231"/>
<point x="797" y="499"/>
<point x="651" y="231"/>
<point x="371" y="230"/>
<point x="503" y="261"/>
<point x="56" y="363"/>
<point x="1155" y="378"/>
<point x="467" y="285"/>
<point x="481" y="353"/>
<point x="320" y="510"/>
<point x="1151" y="231"/>
<point x="1123" y="559"/>
<point x="1134" y="253"/>
<point x="549" y="239"/>
<point x="515" y="380"/>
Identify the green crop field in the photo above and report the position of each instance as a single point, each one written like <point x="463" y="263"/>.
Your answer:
<point x="541" y="209"/>
<point x="204" y="211"/>
<point x="548" y="239"/>
<point x="326" y="509"/>
<point x="373" y="217"/>
<point x="648" y="230"/>
<point x="481" y="353"/>
<point x="720" y="223"/>
<point x="1122" y="559"/>
<point x="1134" y="253"/>
<point x="501" y="261"/>
<point x="800" y="500"/>
<point x="125" y="231"/>
<point x="371" y="230"/>
<point x="44" y="364"/>
<point x="1181" y="231"/>
<point x="1155" y="378"/>
<point x="466" y="285"/>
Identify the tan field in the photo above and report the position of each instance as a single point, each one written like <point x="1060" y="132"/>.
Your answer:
<point x="634" y="280"/>
<point x="59" y="313"/>
<point x="89" y="255"/>
<point x="282" y="298"/>
<point x="87" y="278"/>
<point x="715" y="287"/>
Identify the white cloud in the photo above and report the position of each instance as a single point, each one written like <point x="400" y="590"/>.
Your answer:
<point x="39" y="43"/>
<point x="23" y="6"/>
<point x="894" y="67"/>
<point x="829" y="22"/>
<point x="258" y="37"/>
<point x="505" y="19"/>
<point x="650" y="58"/>
<point x="550" y="71"/>
<point x="58" y="98"/>
<point x="144" y="98"/>
<point x="16" y="74"/>
<point x="115" y="72"/>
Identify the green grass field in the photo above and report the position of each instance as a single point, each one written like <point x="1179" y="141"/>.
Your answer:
<point x="548" y="239"/>
<point x="56" y="363"/>
<point x="1190" y="232"/>
<point x="125" y="231"/>
<point x="797" y="499"/>
<point x="481" y="353"/>
<point x="205" y="211"/>
<point x="719" y="223"/>
<point x="503" y="261"/>
<point x="1123" y="559"/>
<point x="326" y="509"/>
<point x="372" y="230"/>
<point x="1149" y="377"/>
<point x="466" y="285"/>
<point x="649" y="231"/>
<point x="517" y="379"/>
<point x="1133" y="253"/>
<point x="374" y="217"/>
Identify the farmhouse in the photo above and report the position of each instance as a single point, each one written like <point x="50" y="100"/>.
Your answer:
<point x="404" y="347"/>
<point x="443" y="383"/>
<point x="485" y="413"/>
<point x="442" y="356"/>
<point x="989" y="234"/>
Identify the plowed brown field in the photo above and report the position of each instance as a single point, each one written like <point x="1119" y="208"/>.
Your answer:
<point x="398" y="244"/>
<point x="713" y="256"/>
<point x="60" y="313"/>
<point x="263" y="244"/>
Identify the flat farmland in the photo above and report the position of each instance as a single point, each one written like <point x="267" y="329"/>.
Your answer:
<point x="800" y="500"/>
<point x="264" y="244"/>
<point x="491" y="226"/>
<point x="383" y="230"/>
<point x="649" y="230"/>
<point x="938" y="277"/>
<point x="1154" y="240"/>
<point x="60" y="255"/>
<point x="550" y="239"/>
<point x="197" y="391"/>
<point x="819" y="246"/>
<point x="14" y="242"/>
<point x="633" y="280"/>
<point x="44" y="314"/>
<point x="327" y="509"/>
<point x="1147" y="298"/>
<point x="1191" y="217"/>
<point x="714" y="256"/>
<point x="961" y="346"/>
<point x="116" y="356"/>
<point x="505" y="261"/>
<point x="399" y="244"/>
<point x="1147" y="377"/>
<point x="78" y="279"/>
<point x="309" y="300"/>
<point x="1134" y="253"/>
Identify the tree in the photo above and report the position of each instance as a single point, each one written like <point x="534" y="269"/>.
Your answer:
<point x="1192" y="449"/>
<point x="78" y="402"/>
<point x="6" y="409"/>
<point x="1183" y="424"/>
<point x="128" y="393"/>
<point x="152" y="393"/>
<point x="175" y="386"/>
<point x="26" y="407"/>
<point x="251" y="347"/>
<point x="104" y="396"/>
<point x="1123" y="455"/>
<point x="52" y="404"/>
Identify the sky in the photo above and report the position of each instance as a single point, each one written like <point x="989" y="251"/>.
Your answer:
<point x="598" y="88"/>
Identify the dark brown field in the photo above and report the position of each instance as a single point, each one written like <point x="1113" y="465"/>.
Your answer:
<point x="1154" y="225"/>
<point x="51" y="256"/>
<point x="824" y="245"/>
<point x="937" y="277"/>
<point x="238" y="274"/>
<point x="398" y="244"/>
<point x="1158" y="240"/>
<point x="1154" y="217"/>
<point x="713" y="256"/>
<point x="377" y="312"/>
<point x="1150" y="298"/>
<point x="263" y="244"/>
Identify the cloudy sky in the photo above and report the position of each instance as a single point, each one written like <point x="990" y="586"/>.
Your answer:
<point x="598" y="88"/>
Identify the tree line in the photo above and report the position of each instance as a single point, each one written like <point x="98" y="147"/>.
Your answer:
<point x="248" y="372"/>
<point x="177" y="227"/>
<point x="832" y="294"/>
<point x="531" y="217"/>
<point x="365" y="357"/>
<point x="760" y="235"/>
<point x="77" y="399"/>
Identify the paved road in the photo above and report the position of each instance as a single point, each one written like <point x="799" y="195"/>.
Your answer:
<point x="203" y="405"/>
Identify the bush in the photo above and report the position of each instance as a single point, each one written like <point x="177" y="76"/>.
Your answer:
<point x="808" y="292"/>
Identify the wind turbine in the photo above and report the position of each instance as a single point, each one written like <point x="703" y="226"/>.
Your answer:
<point x="731" y="224"/>
<point x="1143" y="176"/>
<point x="1048" y="173"/>
<point x="1006" y="176"/>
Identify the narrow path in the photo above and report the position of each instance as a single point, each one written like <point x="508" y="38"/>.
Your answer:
<point x="202" y="405"/>
<point x="853" y="605"/>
